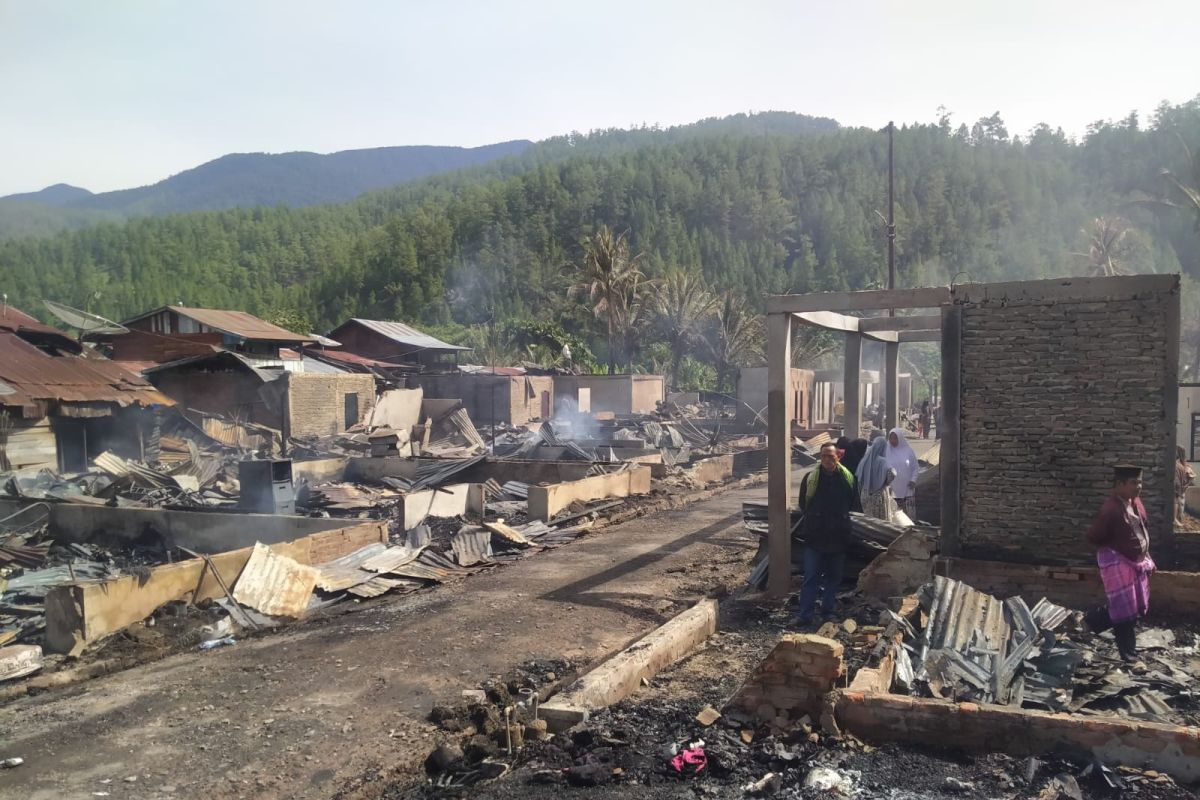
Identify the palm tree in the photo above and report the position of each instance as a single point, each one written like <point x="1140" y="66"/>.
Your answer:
<point x="1107" y="246"/>
<point x="609" y="275"/>
<point x="738" y="337"/>
<point x="680" y="305"/>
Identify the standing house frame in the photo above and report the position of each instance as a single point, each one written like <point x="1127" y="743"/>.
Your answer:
<point x="1046" y="384"/>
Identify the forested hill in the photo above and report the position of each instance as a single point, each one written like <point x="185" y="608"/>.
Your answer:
<point x="753" y="208"/>
<point x="246" y="180"/>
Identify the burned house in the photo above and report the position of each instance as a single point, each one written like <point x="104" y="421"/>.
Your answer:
<point x="615" y="394"/>
<point x="492" y="396"/>
<point x="62" y="404"/>
<point x="171" y="333"/>
<point x="394" y="343"/>
<point x="1047" y="384"/>
<point x="316" y="402"/>
<point x="752" y="396"/>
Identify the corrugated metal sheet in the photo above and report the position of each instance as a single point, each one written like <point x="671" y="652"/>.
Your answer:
<point x="236" y="323"/>
<point x="347" y="571"/>
<point x="13" y="320"/>
<point x="402" y="334"/>
<point x="381" y="585"/>
<point x="471" y="546"/>
<point x="275" y="584"/>
<point x="37" y="377"/>
<point x="391" y="559"/>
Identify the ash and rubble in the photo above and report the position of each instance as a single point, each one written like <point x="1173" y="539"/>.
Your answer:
<point x="629" y="748"/>
<point x="186" y="470"/>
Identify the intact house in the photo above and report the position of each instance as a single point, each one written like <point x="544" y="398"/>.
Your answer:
<point x="618" y="394"/>
<point x="319" y="401"/>
<point x="395" y="344"/>
<point x="62" y="404"/>
<point x="171" y="333"/>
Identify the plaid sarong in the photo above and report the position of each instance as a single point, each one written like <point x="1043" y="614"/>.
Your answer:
<point x="1126" y="583"/>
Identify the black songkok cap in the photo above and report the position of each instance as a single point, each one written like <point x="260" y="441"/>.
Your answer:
<point x="1126" y="472"/>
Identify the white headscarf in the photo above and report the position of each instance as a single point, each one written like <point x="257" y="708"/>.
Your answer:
<point x="902" y="459"/>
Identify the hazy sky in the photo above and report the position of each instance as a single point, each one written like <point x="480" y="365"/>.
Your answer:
<point x="109" y="94"/>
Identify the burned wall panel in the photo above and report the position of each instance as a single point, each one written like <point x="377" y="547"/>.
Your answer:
<point x="1060" y="380"/>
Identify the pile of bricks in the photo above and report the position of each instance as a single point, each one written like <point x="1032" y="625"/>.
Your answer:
<point x="793" y="681"/>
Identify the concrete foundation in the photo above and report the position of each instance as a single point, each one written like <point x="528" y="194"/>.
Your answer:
<point x="546" y="501"/>
<point x="82" y="613"/>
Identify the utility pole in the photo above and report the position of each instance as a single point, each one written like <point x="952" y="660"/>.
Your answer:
<point x="891" y="220"/>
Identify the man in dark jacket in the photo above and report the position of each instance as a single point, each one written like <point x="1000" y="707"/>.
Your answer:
<point x="827" y="496"/>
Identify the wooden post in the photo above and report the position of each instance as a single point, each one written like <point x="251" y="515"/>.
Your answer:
<point x="949" y="465"/>
<point x="779" y="455"/>
<point x="852" y="386"/>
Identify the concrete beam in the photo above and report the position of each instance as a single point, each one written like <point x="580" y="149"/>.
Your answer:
<point x="918" y="336"/>
<point x="829" y="320"/>
<point x="874" y="300"/>
<point x="852" y="385"/>
<point x="779" y="455"/>
<point x="932" y="322"/>
<point x="621" y="675"/>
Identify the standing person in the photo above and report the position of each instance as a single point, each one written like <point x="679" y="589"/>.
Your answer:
<point x="924" y="420"/>
<point x="1122" y="545"/>
<point x="1185" y="476"/>
<point x="854" y="455"/>
<point x="874" y="482"/>
<point x="900" y="457"/>
<point x="827" y="496"/>
<point x="937" y="421"/>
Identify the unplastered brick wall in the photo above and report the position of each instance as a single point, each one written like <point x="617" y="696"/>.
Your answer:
<point x="1055" y="390"/>
<point x="793" y="680"/>
<point x="317" y="402"/>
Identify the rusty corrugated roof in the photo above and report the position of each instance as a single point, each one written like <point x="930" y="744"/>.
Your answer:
<point x="35" y="378"/>
<point x="235" y="323"/>
<point x="14" y="320"/>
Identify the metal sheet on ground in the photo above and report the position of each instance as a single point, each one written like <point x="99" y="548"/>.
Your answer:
<point x="275" y="584"/>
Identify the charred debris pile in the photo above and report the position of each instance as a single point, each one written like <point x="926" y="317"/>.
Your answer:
<point x="451" y="498"/>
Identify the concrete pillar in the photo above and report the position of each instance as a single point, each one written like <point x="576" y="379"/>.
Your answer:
<point x="852" y="385"/>
<point x="779" y="455"/>
<point x="951" y="431"/>
<point x="891" y="385"/>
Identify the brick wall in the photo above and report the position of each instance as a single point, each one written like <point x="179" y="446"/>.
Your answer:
<point x="1172" y="594"/>
<point x="793" y="680"/>
<point x="1054" y="392"/>
<point x="318" y="404"/>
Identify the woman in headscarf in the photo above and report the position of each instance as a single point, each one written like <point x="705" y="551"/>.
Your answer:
<point x="900" y="457"/>
<point x="854" y="454"/>
<point x="874" y="482"/>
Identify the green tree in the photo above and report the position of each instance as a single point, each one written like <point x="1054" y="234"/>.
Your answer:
<point x="610" y="278"/>
<point x="737" y="337"/>
<point x="681" y="302"/>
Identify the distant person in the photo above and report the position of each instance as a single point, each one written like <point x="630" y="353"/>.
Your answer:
<point x="902" y="458"/>
<point x="1185" y="476"/>
<point x="827" y="496"/>
<point x="874" y="482"/>
<point x="1122" y="544"/>
<point x="924" y="420"/>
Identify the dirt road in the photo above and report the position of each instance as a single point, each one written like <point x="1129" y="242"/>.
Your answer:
<point x="336" y="706"/>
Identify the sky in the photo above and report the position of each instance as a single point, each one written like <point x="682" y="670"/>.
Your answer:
<point x="121" y="93"/>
